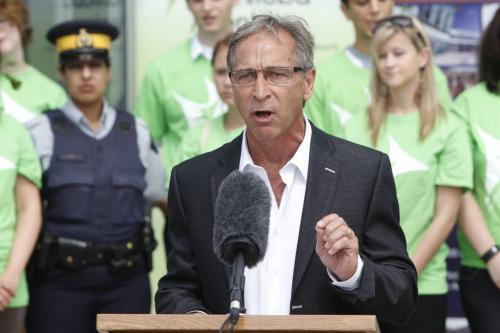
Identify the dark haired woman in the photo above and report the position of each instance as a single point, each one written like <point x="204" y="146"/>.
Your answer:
<point x="479" y="220"/>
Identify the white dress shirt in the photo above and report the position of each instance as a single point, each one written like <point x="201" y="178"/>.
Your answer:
<point x="268" y="285"/>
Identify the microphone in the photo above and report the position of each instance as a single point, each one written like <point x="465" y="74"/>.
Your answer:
<point x="241" y="228"/>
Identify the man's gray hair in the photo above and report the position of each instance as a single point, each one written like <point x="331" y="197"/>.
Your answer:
<point x="303" y="55"/>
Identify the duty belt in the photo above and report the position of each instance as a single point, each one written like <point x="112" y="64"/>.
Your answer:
<point x="72" y="254"/>
<point x="75" y="253"/>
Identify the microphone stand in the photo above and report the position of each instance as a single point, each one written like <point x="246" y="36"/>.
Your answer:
<point x="237" y="287"/>
<point x="241" y="252"/>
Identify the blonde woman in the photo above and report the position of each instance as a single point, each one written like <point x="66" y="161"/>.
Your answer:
<point x="428" y="150"/>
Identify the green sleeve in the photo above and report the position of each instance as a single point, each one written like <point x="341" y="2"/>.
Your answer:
<point x="149" y="103"/>
<point x="28" y="164"/>
<point x="455" y="160"/>
<point x="460" y="108"/>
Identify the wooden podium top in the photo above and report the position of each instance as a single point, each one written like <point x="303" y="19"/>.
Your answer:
<point x="136" y="323"/>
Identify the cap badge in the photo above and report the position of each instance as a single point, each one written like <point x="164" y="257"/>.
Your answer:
<point x="84" y="39"/>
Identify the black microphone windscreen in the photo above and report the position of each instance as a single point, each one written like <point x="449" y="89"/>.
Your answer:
<point x="242" y="210"/>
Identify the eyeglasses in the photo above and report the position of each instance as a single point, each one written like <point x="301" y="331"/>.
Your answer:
<point x="400" y="21"/>
<point x="273" y="75"/>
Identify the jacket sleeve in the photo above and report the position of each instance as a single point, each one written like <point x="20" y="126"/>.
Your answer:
<point x="388" y="284"/>
<point x="179" y="290"/>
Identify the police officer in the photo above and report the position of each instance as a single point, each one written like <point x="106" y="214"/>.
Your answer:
<point x="100" y="171"/>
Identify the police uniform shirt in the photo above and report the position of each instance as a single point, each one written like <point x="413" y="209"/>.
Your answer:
<point x="43" y="138"/>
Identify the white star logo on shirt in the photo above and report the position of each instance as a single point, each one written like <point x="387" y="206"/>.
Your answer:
<point x="6" y="164"/>
<point x="492" y="152"/>
<point x="16" y="110"/>
<point x="192" y="110"/>
<point x="343" y="115"/>
<point x="401" y="161"/>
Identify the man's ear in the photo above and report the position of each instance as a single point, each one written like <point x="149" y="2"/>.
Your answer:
<point x="309" y="78"/>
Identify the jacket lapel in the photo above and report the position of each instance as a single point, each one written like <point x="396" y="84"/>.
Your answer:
<point x="229" y="161"/>
<point x="322" y="179"/>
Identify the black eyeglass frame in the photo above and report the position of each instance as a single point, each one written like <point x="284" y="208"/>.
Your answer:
<point x="294" y="69"/>
<point x="401" y="21"/>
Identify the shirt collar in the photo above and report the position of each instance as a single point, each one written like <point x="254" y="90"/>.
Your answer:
<point x="359" y="59"/>
<point x="300" y="159"/>
<point x="77" y="117"/>
<point x="198" y="49"/>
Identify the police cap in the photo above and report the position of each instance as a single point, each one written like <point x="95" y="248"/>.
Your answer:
<point x="79" y="40"/>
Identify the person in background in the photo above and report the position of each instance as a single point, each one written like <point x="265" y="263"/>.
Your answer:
<point x="177" y="91"/>
<point x="20" y="218"/>
<point x="428" y="148"/>
<point x="335" y="244"/>
<point x="100" y="172"/>
<point x="479" y="220"/>
<point x="342" y="86"/>
<point x="211" y="134"/>
<point x="37" y="92"/>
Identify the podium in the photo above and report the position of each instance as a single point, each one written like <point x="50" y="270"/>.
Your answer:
<point x="199" y="323"/>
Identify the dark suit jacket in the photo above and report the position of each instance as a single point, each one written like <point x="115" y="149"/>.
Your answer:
<point x="361" y="191"/>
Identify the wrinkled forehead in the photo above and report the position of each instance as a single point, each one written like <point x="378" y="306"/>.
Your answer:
<point x="265" y="45"/>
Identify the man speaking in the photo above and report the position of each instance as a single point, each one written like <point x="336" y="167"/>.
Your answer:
<point x="334" y="243"/>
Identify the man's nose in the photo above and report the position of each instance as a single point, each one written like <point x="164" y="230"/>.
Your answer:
<point x="261" y="86"/>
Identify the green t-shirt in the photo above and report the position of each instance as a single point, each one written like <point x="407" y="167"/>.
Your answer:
<point x="176" y="93"/>
<point x="205" y="137"/>
<point x="342" y="90"/>
<point x="17" y="157"/>
<point x="442" y="159"/>
<point x="36" y="94"/>
<point x="480" y="110"/>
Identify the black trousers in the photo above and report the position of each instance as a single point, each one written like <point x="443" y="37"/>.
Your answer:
<point x="68" y="301"/>
<point x="12" y="320"/>
<point x="430" y="317"/>
<point x="480" y="300"/>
